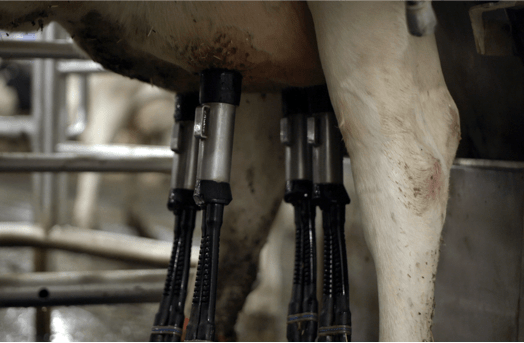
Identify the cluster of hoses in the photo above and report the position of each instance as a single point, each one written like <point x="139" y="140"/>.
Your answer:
<point x="169" y="320"/>
<point x="314" y="172"/>
<point x="303" y="307"/>
<point x="335" y="317"/>
<point x="203" y="142"/>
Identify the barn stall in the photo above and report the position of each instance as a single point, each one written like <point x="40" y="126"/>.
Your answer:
<point x="478" y="284"/>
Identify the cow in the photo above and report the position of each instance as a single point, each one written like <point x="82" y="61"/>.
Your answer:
<point x="399" y="123"/>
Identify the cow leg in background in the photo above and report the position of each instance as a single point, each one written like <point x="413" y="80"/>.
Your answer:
<point x="401" y="128"/>
<point x="110" y="103"/>
<point x="114" y="100"/>
<point x="257" y="178"/>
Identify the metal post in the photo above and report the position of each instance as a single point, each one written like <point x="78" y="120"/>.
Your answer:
<point x="42" y="319"/>
<point x="49" y="136"/>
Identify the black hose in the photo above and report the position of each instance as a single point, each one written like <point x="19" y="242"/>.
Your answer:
<point x="176" y="316"/>
<point x="326" y="315"/>
<point x="295" y="304"/>
<point x="342" y="310"/>
<point x="202" y="320"/>
<point x="309" y="302"/>
<point x="194" y="317"/>
<point x="162" y="315"/>
<point x="335" y="318"/>
<point x="303" y="307"/>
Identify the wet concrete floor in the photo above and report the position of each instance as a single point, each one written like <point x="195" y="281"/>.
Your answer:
<point x="124" y="322"/>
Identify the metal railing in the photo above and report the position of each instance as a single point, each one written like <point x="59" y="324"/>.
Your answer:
<point x="50" y="158"/>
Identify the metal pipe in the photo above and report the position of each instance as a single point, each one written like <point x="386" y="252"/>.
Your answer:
<point x="80" y="67"/>
<point x="60" y="119"/>
<point x="38" y="49"/>
<point x="15" y="126"/>
<point x="81" y="288"/>
<point x="51" y="131"/>
<point x="70" y="162"/>
<point x="116" y="150"/>
<point x="487" y="164"/>
<point x="98" y="243"/>
<point x="84" y="277"/>
<point x="50" y="134"/>
<point x="38" y="296"/>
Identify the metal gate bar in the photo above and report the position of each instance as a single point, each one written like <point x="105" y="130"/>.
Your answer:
<point x="93" y="242"/>
<point x="81" y="288"/>
<point x="71" y="162"/>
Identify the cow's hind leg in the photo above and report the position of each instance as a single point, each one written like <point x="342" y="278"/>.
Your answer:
<point x="401" y="128"/>
<point x="257" y="184"/>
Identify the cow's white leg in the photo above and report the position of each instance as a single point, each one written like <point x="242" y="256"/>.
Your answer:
<point x="401" y="128"/>
<point x="110" y="103"/>
<point x="257" y="184"/>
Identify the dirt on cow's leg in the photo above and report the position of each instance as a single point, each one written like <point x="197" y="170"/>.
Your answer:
<point x="257" y="182"/>
<point x="401" y="128"/>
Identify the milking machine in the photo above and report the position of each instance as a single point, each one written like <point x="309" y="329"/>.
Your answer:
<point x="314" y="177"/>
<point x="214" y="125"/>
<point x="170" y="317"/>
<point x="330" y="195"/>
<point x="303" y="307"/>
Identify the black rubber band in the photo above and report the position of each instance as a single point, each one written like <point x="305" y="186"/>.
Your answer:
<point x="173" y="330"/>
<point x="334" y="330"/>
<point x="302" y="317"/>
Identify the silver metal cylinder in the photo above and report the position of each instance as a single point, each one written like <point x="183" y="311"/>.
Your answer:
<point x="185" y="144"/>
<point x="326" y="140"/>
<point x="293" y="133"/>
<point x="214" y="126"/>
